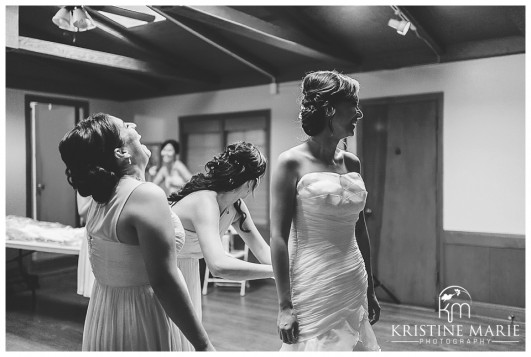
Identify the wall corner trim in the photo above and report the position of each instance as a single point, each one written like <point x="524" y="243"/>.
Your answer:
<point x="478" y="239"/>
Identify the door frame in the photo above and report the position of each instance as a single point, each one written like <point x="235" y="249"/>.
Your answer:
<point x="438" y="97"/>
<point x="29" y="98"/>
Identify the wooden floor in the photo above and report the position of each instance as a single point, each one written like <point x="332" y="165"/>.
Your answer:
<point x="233" y="323"/>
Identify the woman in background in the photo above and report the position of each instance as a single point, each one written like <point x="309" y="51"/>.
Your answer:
<point x="171" y="174"/>
<point x="324" y="280"/>
<point x="138" y="296"/>
<point x="208" y="204"/>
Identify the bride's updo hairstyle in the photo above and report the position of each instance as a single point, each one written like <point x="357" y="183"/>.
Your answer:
<point x="239" y="163"/>
<point x="88" y="152"/>
<point x="321" y="90"/>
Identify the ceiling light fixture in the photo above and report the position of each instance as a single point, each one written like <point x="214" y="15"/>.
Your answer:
<point x="73" y="18"/>
<point x="401" y="26"/>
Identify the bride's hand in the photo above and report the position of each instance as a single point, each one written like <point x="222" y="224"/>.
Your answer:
<point x="288" y="326"/>
<point x="374" y="308"/>
<point x="207" y="348"/>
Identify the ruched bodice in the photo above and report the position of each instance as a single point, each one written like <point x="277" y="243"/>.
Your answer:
<point x="117" y="264"/>
<point x="327" y="270"/>
<point x="328" y="202"/>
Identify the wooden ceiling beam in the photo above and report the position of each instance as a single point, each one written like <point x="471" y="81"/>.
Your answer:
<point x="487" y="48"/>
<point x="222" y="45"/>
<point x="61" y="87"/>
<point x="67" y="75"/>
<point x="12" y="26"/>
<point x="228" y="19"/>
<point x="299" y="20"/>
<point x="65" y="81"/>
<point x="192" y="74"/>
<point x="457" y="52"/>
<point x="125" y="12"/>
<point x="435" y="45"/>
<point x="14" y="42"/>
<point x="516" y="15"/>
<point x="84" y="55"/>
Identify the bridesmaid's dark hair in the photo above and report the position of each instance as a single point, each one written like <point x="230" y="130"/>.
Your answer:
<point x="88" y="152"/>
<point x="320" y="91"/>
<point x="239" y="163"/>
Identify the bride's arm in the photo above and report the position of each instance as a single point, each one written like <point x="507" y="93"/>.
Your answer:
<point x="364" y="243"/>
<point x="204" y="216"/>
<point x="283" y="190"/>
<point x="362" y="237"/>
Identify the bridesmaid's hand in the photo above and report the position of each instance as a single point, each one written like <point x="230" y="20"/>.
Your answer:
<point x="152" y="171"/>
<point x="374" y="308"/>
<point x="288" y="326"/>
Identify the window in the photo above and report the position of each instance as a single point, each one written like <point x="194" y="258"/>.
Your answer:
<point x="204" y="136"/>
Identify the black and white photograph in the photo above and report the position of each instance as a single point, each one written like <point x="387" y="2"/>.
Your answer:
<point x="264" y="177"/>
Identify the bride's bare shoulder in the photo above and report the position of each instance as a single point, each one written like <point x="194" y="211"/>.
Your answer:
<point x="295" y="156"/>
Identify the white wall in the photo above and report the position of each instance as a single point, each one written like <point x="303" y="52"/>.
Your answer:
<point x="16" y="143"/>
<point x="483" y="138"/>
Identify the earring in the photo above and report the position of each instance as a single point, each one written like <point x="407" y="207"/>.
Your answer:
<point x="129" y="161"/>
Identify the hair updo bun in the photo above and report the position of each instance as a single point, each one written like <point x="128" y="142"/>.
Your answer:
<point x="321" y="90"/>
<point x="88" y="152"/>
<point x="97" y="182"/>
<point x="310" y="115"/>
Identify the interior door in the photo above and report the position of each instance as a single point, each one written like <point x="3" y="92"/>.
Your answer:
<point x="55" y="198"/>
<point x="399" y="149"/>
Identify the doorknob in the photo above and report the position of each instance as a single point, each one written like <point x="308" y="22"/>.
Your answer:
<point x="368" y="212"/>
<point x="40" y="187"/>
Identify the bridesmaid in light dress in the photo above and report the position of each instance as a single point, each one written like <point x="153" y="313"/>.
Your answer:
<point x="319" y="242"/>
<point x="208" y="204"/>
<point x="139" y="301"/>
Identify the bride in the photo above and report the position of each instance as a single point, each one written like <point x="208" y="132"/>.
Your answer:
<point x="322" y="268"/>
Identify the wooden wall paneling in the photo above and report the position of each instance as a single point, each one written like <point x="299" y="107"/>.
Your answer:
<point x="468" y="267"/>
<point x="507" y="276"/>
<point x="491" y="262"/>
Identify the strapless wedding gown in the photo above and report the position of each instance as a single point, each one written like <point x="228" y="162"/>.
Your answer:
<point x="327" y="271"/>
